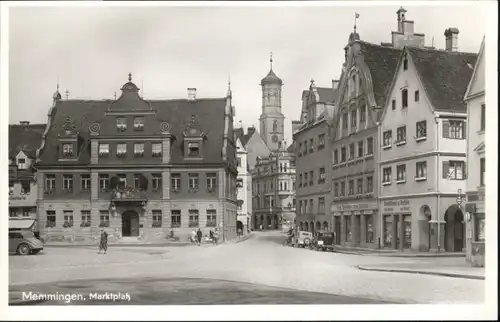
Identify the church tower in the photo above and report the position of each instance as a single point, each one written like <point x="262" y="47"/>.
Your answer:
<point x="272" y="121"/>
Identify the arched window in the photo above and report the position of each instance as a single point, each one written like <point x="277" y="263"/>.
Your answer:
<point x="275" y="126"/>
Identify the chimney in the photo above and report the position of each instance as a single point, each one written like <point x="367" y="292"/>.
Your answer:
<point x="191" y="93"/>
<point x="335" y="83"/>
<point x="24" y="123"/>
<point x="451" y="35"/>
<point x="251" y="131"/>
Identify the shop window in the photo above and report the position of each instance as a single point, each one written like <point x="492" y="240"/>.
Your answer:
<point x="480" y="228"/>
<point x="369" y="228"/>
<point x="387" y="225"/>
<point x="407" y="232"/>
<point x="348" y="233"/>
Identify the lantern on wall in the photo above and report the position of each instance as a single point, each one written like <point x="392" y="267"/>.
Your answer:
<point x="143" y="206"/>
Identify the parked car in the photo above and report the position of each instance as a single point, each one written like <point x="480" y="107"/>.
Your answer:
<point x="323" y="241"/>
<point x="24" y="242"/>
<point x="302" y="239"/>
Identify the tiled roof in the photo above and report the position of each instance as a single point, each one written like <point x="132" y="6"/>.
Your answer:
<point x="26" y="138"/>
<point x="382" y="62"/>
<point x="239" y="133"/>
<point x="209" y="115"/>
<point x="445" y="76"/>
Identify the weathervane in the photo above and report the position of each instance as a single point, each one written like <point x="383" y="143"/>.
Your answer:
<point x="356" y="16"/>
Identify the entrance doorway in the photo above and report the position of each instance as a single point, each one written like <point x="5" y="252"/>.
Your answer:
<point x="338" y="230"/>
<point x="454" y="229"/>
<point x="130" y="224"/>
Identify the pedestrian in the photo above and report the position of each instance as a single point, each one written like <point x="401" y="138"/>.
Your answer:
<point x="260" y="227"/>
<point x="193" y="236"/>
<point x="216" y="237"/>
<point x="211" y="234"/>
<point x="240" y="233"/>
<point x="199" y="235"/>
<point x="103" y="244"/>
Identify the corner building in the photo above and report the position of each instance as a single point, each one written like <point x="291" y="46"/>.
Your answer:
<point x="141" y="169"/>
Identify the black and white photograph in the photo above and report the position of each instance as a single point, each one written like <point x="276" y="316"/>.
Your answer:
<point x="268" y="160"/>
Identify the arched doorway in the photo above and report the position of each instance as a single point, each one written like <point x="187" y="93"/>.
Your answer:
<point x="130" y="224"/>
<point x="301" y="226"/>
<point x="311" y="226"/>
<point x="306" y="226"/>
<point x="325" y="226"/>
<point x="454" y="229"/>
<point x="318" y="226"/>
<point x="424" y="228"/>
<point x="239" y="225"/>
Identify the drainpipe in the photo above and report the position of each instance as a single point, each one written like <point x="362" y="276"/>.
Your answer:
<point x="437" y="187"/>
<point x="378" y="183"/>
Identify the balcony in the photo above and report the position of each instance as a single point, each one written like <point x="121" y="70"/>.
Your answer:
<point x="128" y="195"/>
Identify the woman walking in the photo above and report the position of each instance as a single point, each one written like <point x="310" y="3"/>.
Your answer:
<point x="103" y="244"/>
<point x="216" y="237"/>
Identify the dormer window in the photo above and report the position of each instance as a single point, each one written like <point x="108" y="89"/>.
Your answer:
<point x="139" y="123"/>
<point x="156" y="149"/>
<point x="103" y="149"/>
<point x="67" y="149"/>
<point x="121" y="123"/>
<point x="21" y="164"/>
<point x="139" y="149"/>
<point x="193" y="149"/>
<point x="121" y="149"/>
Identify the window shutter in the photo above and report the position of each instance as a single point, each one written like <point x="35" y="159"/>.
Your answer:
<point x="446" y="167"/>
<point x="446" y="129"/>
<point x="464" y="130"/>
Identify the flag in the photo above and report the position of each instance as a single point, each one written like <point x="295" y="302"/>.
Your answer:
<point x="357" y="15"/>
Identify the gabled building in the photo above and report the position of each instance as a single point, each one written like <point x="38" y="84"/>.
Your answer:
<point x="24" y="140"/>
<point x="313" y="158"/>
<point x="422" y="156"/>
<point x="243" y="183"/>
<point x="140" y="169"/>
<point x="476" y="163"/>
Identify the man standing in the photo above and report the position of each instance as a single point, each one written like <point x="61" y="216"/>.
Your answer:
<point x="103" y="243"/>
<point x="199" y="234"/>
<point x="216" y="237"/>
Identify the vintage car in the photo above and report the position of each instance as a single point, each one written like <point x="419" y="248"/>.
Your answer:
<point x="302" y="239"/>
<point x="23" y="242"/>
<point x="323" y="240"/>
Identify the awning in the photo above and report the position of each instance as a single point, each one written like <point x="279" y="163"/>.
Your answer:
<point x="21" y="223"/>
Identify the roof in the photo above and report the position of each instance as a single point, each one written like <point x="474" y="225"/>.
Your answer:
<point x="480" y="55"/>
<point x="21" y="223"/>
<point x="271" y="78"/>
<point x="239" y="134"/>
<point x="26" y="138"/>
<point x="445" y="76"/>
<point x="209" y="115"/>
<point x="382" y="62"/>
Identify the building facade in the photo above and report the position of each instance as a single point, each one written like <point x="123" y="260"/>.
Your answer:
<point x="140" y="169"/>
<point x="313" y="154"/>
<point x="476" y="164"/>
<point x="243" y="184"/>
<point x="24" y="140"/>
<point x="423" y="150"/>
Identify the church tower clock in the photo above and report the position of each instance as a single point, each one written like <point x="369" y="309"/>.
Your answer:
<point x="272" y="120"/>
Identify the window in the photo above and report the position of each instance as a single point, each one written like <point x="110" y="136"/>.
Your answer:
<point x="86" y="218"/>
<point x="139" y="149"/>
<point x="351" y="187"/>
<point x="51" y="218"/>
<point x="311" y="145"/>
<point x="311" y="178"/>
<point x="369" y="228"/>
<point x="193" y="149"/>
<point x="176" y="182"/>
<point x="387" y="172"/>
<point x="157" y="222"/>
<point x="305" y="147"/>
<point x="369" y="184"/>
<point x="211" y="218"/>
<point x="354" y="118"/>
<point x="343" y="154"/>
<point x="479" y="228"/>
<point x="336" y="156"/>
<point x="393" y="102"/>
<point x="342" y="188"/>
<point x="336" y="189"/>
<point x="121" y="149"/>
<point x="122" y="181"/>
<point x="300" y="180"/>
<point x="139" y="123"/>
<point x="306" y="177"/>
<point x="194" y="220"/>
<point x="156" y="181"/>
<point x="421" y="130"/>
<point x="67" y="182"/>
<point x="322" y="176"/>
<point x="238" y="162"/>
<point x="453" y="129"/>
<point x="321" y="204"/>
<point x="67" y="149"/>
<point x="121" y="123"/>
<point x="421" y="170"/>
<point x="483" y="117"/>
<point x="454" y="170"/>
<point x="103" y="149"/>
<point x="311" y="206"/>
<point x="321" y="141"/>
<point x="103" y="182"/>
<point x="351" y="151"/>
<point x="275" y="126"/>
<point x="369" y="146"/>
<point x="104" y="218"/>
<point x="21" y="164"/>
<point x="417" y="96"/>
<point x="360" y="149"/>
<point x="193" y="181"/>
<point x="401" y="173"/>
<point x="11" y="187"/>
<point x="50" y="183"/>
<point x="482" y="170"/>
<point x="362" y="114"/>
<point x="404" y="97"/>
<point x="12" y="213"/>
<point x="345" y="121"/>
<point x="85" y="182"/>
<point x="299" y="150"/>
<point x="239" y="183"/>
<point x="175" y="218"/>
<point x="405" y="63"/>
<point x="156" y="149"/>
<point x="359" y="186"/>
<point x="348" y="234"/>
<point x="387" y="138"/>
<point x="68" y="218"/>
<point x="401" y="135"/>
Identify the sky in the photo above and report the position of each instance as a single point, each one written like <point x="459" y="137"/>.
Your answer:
<point x="91" y="50"/>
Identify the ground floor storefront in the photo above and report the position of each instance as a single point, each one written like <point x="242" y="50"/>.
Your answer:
<point x="475" y="227"/>
<point x="314" y="223"/>
<point x="22" y="211"/>
<point x="422" y="223"/>
<point x="154" y="221"/>
<point x="267" y="220"/>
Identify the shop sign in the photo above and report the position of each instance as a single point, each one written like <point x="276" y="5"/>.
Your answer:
<point x="353" y="206"/>
<point x="17" y="197"/>
<point x="396" y="206"/>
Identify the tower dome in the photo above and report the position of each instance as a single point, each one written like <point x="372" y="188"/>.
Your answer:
<point x="271" y="77"/>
